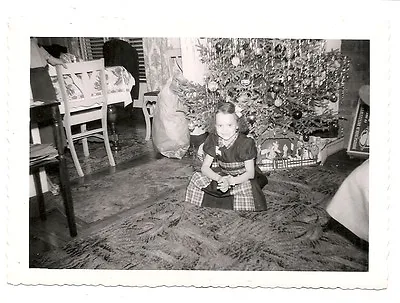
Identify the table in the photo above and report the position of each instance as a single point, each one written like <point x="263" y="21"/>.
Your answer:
<point x="39" y="112"/>
<point x="119" y="86"/>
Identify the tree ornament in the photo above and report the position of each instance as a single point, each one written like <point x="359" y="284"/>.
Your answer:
<point x="218" y="47"/>
<point x="278" y="102"/>
<point x="333" y="98"/>
<point x="212" y="86"/>
<point x="245" y="82"/>
<point x="235" y="61"/>
<point x="276" y="88"/>
<point x="297" y="114"/>
<point x="306" y="138"/>
<point x="334" y="128"/>
<point x="251" y="119"/>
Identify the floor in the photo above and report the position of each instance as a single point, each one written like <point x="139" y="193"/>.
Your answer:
<point x="46" y="235"/>
<point x="135" y="151"/>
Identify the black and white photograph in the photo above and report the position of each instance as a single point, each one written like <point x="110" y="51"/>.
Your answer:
<point x="198" y="154"/>
<point x="230" y="156"/>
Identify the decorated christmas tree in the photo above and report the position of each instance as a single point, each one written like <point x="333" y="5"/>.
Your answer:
<point x="284" y="87"/>
<point x="280" y="85"/>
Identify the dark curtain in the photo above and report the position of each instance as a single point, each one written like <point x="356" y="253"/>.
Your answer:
<point x="120" y="53"/>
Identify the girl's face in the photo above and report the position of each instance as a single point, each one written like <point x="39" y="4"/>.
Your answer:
<point x="226" y="125"/>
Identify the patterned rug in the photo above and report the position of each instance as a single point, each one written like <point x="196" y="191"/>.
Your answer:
<point x="167" y="233"/>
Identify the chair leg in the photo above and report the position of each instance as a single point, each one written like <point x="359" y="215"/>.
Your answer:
<point x="73" y="153"/>
<point x="147" y="119"/>
<point x="67" y="198"/>
<point x="107" y="142"/>
<point x="39" y="195"/>
<point x="85" y="141"/>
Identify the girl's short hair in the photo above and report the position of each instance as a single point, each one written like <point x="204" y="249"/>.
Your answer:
<point x="230" y="108"/>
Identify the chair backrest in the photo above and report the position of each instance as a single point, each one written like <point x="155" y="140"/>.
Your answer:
<point x="82" y="87"/>
<point x="142" y="90"/>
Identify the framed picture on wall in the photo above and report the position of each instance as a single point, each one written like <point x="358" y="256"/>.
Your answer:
<point x="359" y="137"/>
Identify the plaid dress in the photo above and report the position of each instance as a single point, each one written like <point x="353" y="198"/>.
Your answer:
<point x="229" y="160"/>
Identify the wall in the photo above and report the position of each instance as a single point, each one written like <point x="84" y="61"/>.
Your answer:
<point x="358" y="52"/>
<point x="333" y="44"/>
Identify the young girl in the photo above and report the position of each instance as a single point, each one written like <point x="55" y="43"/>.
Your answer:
<point x="229" y="177"/>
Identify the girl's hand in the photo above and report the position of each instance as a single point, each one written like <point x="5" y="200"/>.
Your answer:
<point x="223" y="184"/>
<point x="55" y="61"/>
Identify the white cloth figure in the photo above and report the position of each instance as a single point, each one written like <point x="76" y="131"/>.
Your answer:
<point x="350" y="205"/>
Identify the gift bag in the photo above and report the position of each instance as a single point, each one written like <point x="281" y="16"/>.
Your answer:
<point x="170" y="129"/>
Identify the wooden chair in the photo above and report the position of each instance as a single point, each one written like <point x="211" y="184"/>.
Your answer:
<point x="148" y="100"/>
<point x="89" y="78"/>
